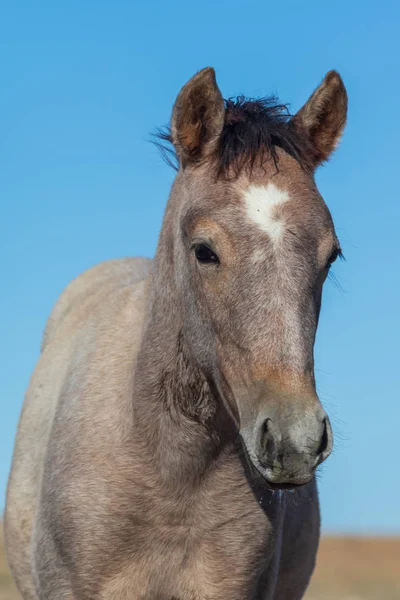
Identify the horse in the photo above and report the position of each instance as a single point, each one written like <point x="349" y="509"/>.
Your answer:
<point x="169" y="440"/>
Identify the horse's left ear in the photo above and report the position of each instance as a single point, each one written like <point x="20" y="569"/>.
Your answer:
<point x="323" y="118"/>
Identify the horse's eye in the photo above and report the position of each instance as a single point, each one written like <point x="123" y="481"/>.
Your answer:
<point x="205" y="255"/>
<point x="335" y="254"/>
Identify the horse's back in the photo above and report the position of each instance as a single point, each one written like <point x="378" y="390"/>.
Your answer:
<point x="92" y="299"/>
<point x="124" y="271"/>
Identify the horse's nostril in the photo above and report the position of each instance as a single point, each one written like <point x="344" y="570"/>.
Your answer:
<point x="324" y="440"/>
<point x="264" y="428"/>
<point x="265" y="435"/>
<point x="267" y="441"/>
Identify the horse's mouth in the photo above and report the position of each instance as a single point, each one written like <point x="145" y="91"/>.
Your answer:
<point x="282" y="485"/>
<point x="261" y="473"/>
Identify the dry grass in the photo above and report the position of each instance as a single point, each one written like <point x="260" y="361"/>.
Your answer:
<point x="357" y="569"/>
<point x="347" y="569"/>
<point x="7" y="588"/>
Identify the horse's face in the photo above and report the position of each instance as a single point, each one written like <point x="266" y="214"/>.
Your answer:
<point x="252" y="254"/>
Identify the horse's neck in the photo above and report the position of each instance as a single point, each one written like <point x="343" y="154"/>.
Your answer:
<point x="176" y="414"/>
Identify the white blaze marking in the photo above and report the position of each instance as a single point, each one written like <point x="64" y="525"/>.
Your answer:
<point x="261" y="202"/>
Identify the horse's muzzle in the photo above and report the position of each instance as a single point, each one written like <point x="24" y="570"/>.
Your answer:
<point x="288" y="453"/>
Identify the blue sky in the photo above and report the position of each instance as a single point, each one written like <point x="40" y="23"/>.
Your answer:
<point x="83" y="85"/>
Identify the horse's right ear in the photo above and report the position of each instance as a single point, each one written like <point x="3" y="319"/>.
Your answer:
<point x="197" y="117"/>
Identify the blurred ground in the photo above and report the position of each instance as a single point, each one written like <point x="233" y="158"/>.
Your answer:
<point x="357" y="569"/>
<point x="347" y="569"/>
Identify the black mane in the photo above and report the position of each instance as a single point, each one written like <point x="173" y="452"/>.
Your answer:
<point x="253" y="130"/>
